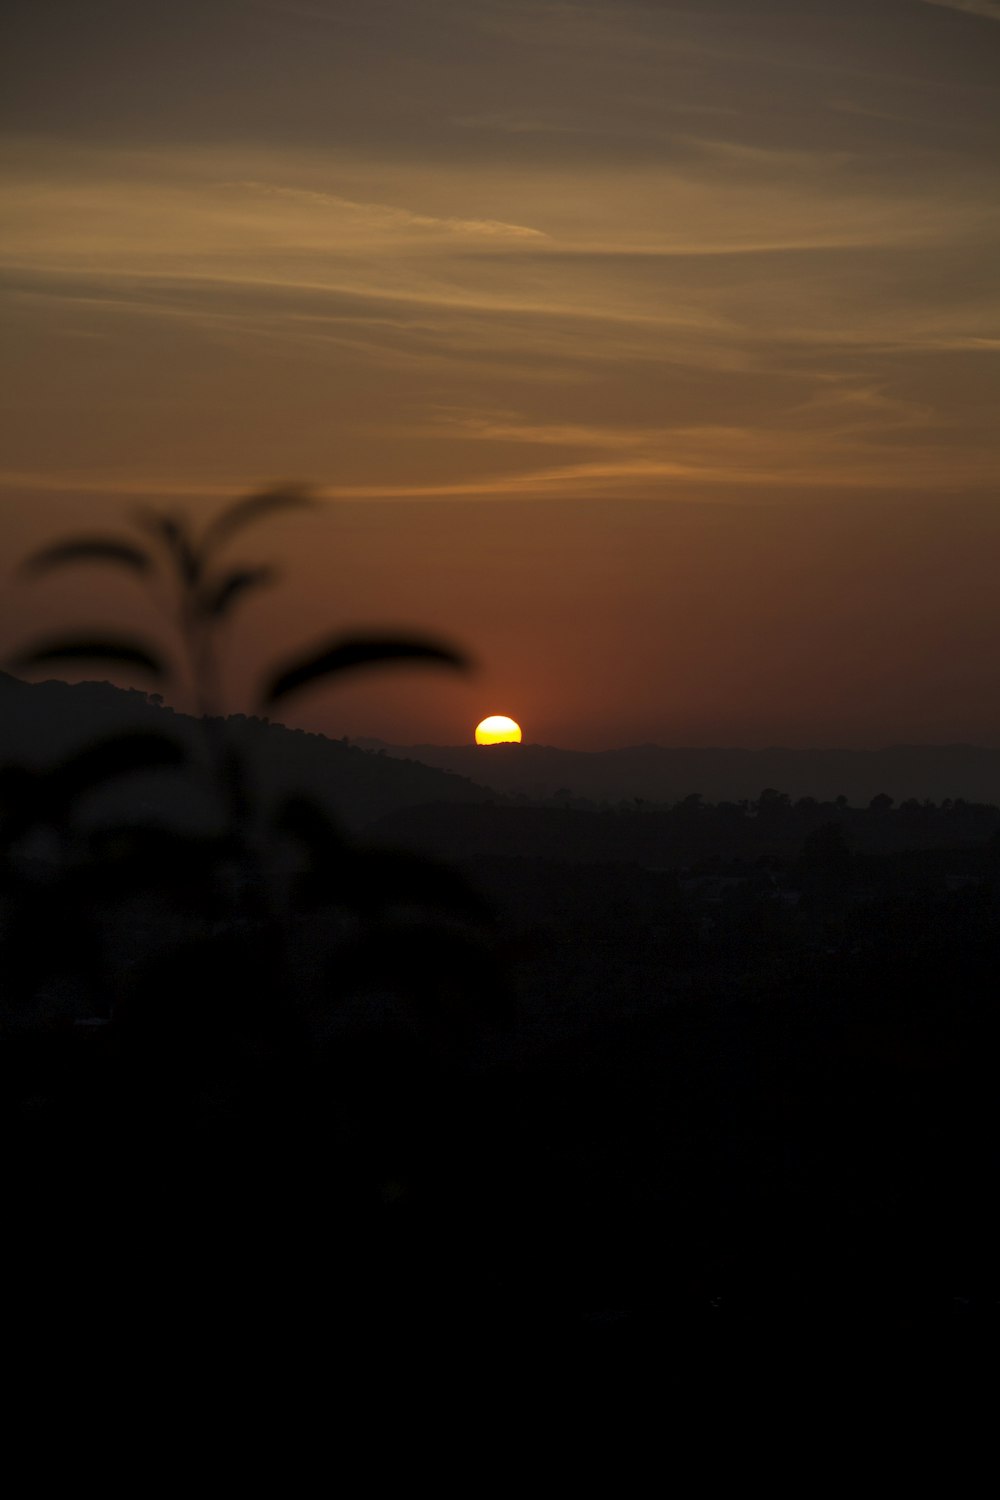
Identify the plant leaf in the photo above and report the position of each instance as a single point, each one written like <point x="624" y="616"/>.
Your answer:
<point x="174" y="534"/>
<point x="119" y="652"/>
<point x="217" y="601"/>
<point x="19" y="802"/>
<point x="254" y="508"/>
<point x="347" y="655"/>
<point x="88" y="549"/>
<point x="303" y="819"/>
<point x="127" y="858"/>
<point x="117" y="755"/>
<point x="326" y="856"/>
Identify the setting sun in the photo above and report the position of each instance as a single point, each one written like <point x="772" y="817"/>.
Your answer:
<point x="498" y="730"/>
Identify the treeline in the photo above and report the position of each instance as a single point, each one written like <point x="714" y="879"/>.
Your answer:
<point x="689" y="831"/>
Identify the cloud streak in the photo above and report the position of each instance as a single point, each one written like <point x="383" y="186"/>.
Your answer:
<point x="988" y="9"/>
<point x="389" y="216"/>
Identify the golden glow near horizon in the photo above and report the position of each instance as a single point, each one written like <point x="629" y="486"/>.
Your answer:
<point x="498" y="730"/>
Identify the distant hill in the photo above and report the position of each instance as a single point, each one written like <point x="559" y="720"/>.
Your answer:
<point x="659" y="774"/>
<point x="457" y="801"/>
<point x="40" y="723"/>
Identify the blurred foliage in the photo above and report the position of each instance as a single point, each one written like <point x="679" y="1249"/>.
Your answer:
<point x="252" y="992"/>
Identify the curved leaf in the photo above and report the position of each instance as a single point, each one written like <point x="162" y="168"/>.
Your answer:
<point x="14" y="783"/>
<point x="347" y="655"/>
<point x="174" y="534"/>
<point x="303" y="819"/>
<point x="118" y="652"/>
<point x="124" y="859"/>
<point x="326" y="857"/>
<point x="118" y="755"/>
<point x="217" y="601"/>
<point x="88" y="549"/>
<point x="19" y="802"/>
<point x="254" y="508"/>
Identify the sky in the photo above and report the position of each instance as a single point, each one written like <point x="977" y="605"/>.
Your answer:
<point x="648" y="351"/>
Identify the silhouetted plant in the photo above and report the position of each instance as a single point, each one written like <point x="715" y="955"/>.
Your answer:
<point x="264" y="927"/>
<point x="205" y="591"/>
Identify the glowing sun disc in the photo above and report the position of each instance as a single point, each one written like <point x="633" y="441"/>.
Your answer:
<point x="498" y="730"/>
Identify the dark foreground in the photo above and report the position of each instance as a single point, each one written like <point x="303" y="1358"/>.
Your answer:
<point x="638" y="1111"/>
<point x="598" y="1078"/>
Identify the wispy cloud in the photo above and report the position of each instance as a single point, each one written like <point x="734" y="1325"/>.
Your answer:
<point x="388" y="215"/>
<point x="990" y="9"/>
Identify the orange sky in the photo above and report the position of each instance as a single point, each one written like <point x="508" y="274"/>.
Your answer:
<point x="648" y="350"/>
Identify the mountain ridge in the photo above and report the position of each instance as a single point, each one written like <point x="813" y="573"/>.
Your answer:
<point x="661" y="773"/>
<point x="41" y="723"/>
<point x="364" y="778"/>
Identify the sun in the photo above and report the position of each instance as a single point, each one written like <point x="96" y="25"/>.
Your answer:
<point x="498" y="730"/>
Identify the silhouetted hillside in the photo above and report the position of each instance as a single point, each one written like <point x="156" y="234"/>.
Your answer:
<point x="659" y="774"/>
<point x="42" y="722"/>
